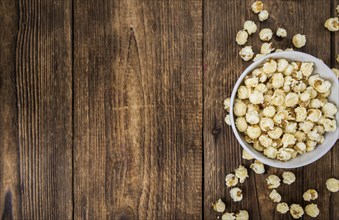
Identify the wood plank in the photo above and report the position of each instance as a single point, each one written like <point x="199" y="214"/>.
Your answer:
<point x="44" y="96"/>
<point x="222" y="152"/>
<point x="9" y="146"/>
<point x="138" y="109"/>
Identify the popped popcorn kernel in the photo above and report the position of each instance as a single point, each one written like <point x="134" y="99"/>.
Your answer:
<point x="299" y="40"/>
<point x="265" y="34"/>
<point x="241" y="173"/>
<point x="228" y="216"/>
<point x="288" y="177"/>
<point x="273" y="181"/>
<point x="332" y="185"/>
<point x="258" y="167"/>
<point x="241" y="37"/>
<point x="242" y="215"/>
<point x="332" y="24"/>
<point x="231" y="180"/>
<point x="227" y="104"/>
<point x="219" y="206"/>
<point x="296" y="211"/>
<point x="275" y="196"/>
<point x="281" y="32"/>
<point x="312" y="210"/>
<point x="310" y="194"/>
<point x="236" y="194"/>
<point x="335" y="71"/>
<point x="246" y="53"/>
<point x="263" y="15"/>
<point x="257" y="6"/>
<point x="250" y="27"/>
<point x="266" y="48"/>
<point x="282" y="207"/>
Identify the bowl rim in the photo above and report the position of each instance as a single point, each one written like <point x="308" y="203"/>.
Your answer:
<point x="258" y="155"/>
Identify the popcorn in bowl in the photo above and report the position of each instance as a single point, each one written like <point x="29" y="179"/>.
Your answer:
<point x="282" y="108"/>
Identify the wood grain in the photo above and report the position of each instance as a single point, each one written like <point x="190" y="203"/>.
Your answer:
<point x="9" y="147"/>
<point x="44" y="100"/>
<point x="222" y="152"/>
<point x="137" y="109"/>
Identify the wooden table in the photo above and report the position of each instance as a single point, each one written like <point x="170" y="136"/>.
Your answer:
<point x="113" y="109"/>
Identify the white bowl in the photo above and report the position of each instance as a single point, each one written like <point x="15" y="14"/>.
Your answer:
<point x="330" y="137"/>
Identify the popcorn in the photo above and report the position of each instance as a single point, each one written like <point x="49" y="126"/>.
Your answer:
<point x="282" y="207"/>
<point x="300" y="136"/>
<point x="236" y="194"/>
<point x="312" y="210"/>
<point x="228" y="216"/>
<point x="228" y="120"/>
<point x="246" y="53"/>
<point x="243" y="92"/>
<point x="246" y="155"/>
<point x="330" y="125"/>
<point x="257" y="146"/>
<point x="278" y="50"/>
<point x="336" y="71"/>
<point x="277" y="80"/>
<point x="289" y="70"/>
<point x="329" y="110"/>
<point x="314" y="115"/>
<point x="291" y="99"/>
<point x="270" y="67"/>
<point x="299" y="40"/>
<point x="275" y="196"/>
<point x="323" y="87"/>
<point x="296" y="211"/>
<point x="256" y="97"/>
<point x="305" y="96"/>
<point x="251" y="82"/>
<point x="306" y="68"/>
<point x="284" y="154"/>
<point x="275" y="133"/>
<point x="332" y="185"/>
<point x="250" y="27"/>
<point x="306" y="126"/>
<point x="288" y="177"/>
<point x="261" y="88"/>
<point x="239" y="108"/>
<point x="281" y="32"/>
<point x="310" y="194"/>
<point x="219" y="206"/>
<point x="253" y="131"/>
<point x="310" y="145"/>
<point x="231" y="180"/>
<point x="288" y="140"/>
<point x="252" y="117"/>
<point x="241" y="173"/>
<point x="301" y="114"/>
<point x="332" y="24"/>
<point x="242" y="215"/>
<point x="258" y="56"/>
<point x="257" y="7"/>
<point x="266" y="48"/>
<point x="241" y="124"/>
<point x="300" y="147"/>
<point x="291" y="127"/>
<point x="269" y="111"/>
<point x="273" y="181"/>
<point x="265" y="34"/>
<point x="266" y="124"/>
<point x="241" y="37"/>
<point x="271" y="152"/>
<point x="258" y="167"/>
<point x="282" y="65"/>
<point x="227" y="104"/>
<point x="263" y="15"/>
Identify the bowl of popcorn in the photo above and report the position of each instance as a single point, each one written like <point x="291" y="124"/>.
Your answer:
<point x="284" y="109"/>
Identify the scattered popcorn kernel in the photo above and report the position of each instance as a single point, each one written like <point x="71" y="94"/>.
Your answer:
<point x="281" y="32"/>
<point x="275" y="196"/>
<point x="256" y="97"/>
<point x="288" y="177"/>
<point x="273" y="181"/>
<point x="271" y="152"/>
<point x="240" y="108"/>
<point x="242" y="215"/>
<point x="329" y="125"/>
<point x="270" y="67"/>
<point x="263" y="15"/>
<point x="250" y="27"/>
<point x="241" y="124"/>
<point x="257" y="6"/>
<point x="236" y="194"/>
<point x="299" y="40"/>
<point x="227" y="104"/>
<point x="246" y="155"/>
<point x="335" y="71"/>
<point x="306" y="69"/>
<point x="310" y="194"/>
<point x="265" y="34"/>
<point x="241" y="173"/>
<point x="332" y="185"/>
<point x="329" y="110"/>
<point x="312" y="210"/>
<point x="266" y="48"/>
<point x="332" y="24"/>
<point x="241" y="37"/>
<point x="228" y="216"/>
<point x="282" y="207"/>
<point x="231" y="180"/>
<point x="246" y="53"/>
<point x="228" y="120"/>
<point x="219" y="206"/>
<point x="257" y="167"/>
<point x="296" y="211"/>
<point x="258" y="56"/>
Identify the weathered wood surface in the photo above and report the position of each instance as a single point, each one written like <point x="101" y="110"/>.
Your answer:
<point x="114" y="109"/>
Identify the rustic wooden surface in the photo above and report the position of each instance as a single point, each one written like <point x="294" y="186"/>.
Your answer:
<point x="114" y="109"/>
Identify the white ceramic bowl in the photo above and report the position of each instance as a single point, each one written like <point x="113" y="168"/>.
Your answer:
<point x="330" y="137"/>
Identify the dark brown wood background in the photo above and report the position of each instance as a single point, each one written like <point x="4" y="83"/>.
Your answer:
<point x="114" y="109"/>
